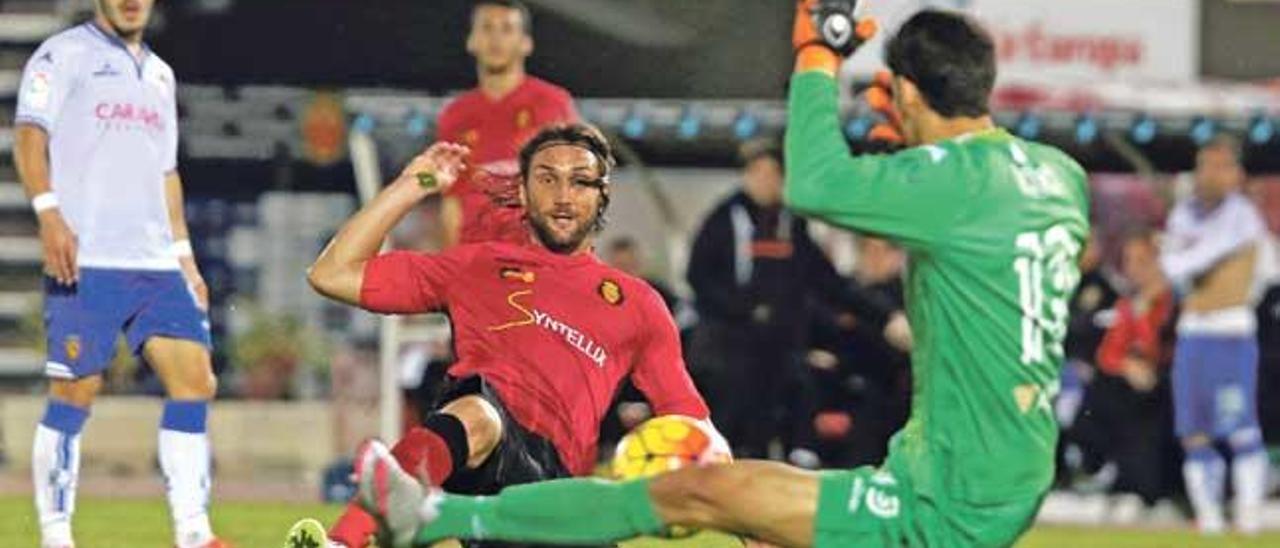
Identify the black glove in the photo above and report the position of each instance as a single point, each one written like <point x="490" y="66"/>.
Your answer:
<point x="835" y="25"/>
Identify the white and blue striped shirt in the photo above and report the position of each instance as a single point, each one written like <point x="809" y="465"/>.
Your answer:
<point x="112" y="123"/>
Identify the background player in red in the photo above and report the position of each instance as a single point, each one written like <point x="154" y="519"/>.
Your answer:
<point x="504" y="110"/>
<point x="545" y="332"/>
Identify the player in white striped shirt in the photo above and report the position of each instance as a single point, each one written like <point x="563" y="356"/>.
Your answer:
<point x="1211" y="255"/>
<point x="96" y="148"/>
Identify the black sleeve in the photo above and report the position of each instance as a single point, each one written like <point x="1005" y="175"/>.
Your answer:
<point x="830" y="287"/>
<point x="711" y="270"/>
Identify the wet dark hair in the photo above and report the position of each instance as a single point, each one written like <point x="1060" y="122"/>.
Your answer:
<point x="584" y="136"/>
<point x="526" y="19"/>
<point x="950" y="58"/>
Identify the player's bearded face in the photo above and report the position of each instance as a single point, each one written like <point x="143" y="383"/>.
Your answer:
<point x="127" y="17"/>
<point x="498" y="40"/>
<point x="563" y="195"/>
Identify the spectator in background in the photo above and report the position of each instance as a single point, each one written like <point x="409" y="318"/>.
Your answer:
<point x="755" y="273"/>
<point x="1095" y="295"/>
<point x="624" y="253"/>
<point x="1268" y="312"/>
<point x="505" y="109"/>
<point x="1129" y="398"/>
<point x="865" y="391"/>
<point x="1210" y="256"/>
<point x="1091" y="307"/>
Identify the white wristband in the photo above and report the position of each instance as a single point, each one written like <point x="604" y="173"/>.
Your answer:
<point x="43" y="201"/>
<point x="181" y="248"/>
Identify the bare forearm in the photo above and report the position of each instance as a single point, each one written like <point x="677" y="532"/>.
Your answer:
<point x="339" y="271"/>
<point x="31" y="156"/>
<point x="177" y="213"/>
<point x="451" y="219"/>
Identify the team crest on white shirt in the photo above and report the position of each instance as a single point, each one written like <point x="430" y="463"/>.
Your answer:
<point x="38" y="90"/>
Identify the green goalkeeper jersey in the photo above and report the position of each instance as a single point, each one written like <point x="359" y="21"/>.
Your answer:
<point x="993" y="226"/>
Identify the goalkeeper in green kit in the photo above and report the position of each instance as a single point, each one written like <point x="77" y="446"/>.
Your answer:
<point x="993" y="225"/>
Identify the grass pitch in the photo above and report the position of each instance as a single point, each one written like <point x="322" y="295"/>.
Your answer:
<point x="106" y="523"/>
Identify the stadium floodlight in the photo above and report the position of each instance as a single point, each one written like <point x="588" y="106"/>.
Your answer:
<point x="1202" y="130"/>
<point x="745" y="125"/>
<point x="1028" y="126"/>
<point x="1143" y="130"/>
<point x="416" y="123"/>
<point x="1261" y="129"/>
<point x="1086" y="129"/>
<point x="857" y="128"/>
<point x="363" y="123"/>
<point x="690" y="123"/>
<point x="634" y="126"/>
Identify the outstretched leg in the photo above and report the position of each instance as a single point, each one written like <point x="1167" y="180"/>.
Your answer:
<point x="461" y="435"/>
<point x="769" y="501"/>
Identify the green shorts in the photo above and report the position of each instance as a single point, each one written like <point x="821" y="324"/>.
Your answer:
<point x="877" y="507"/>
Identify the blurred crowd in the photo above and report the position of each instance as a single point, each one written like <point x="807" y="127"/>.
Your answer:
<point x="1129" y="385"/>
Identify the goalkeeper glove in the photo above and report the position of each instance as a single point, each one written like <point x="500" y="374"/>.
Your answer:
<point x="825" y="31"/>
<point x="879" y="96"/>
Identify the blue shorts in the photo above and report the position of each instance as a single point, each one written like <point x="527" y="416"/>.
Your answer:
<point x="82" y="321"/>
<point x="1215" y="385"/>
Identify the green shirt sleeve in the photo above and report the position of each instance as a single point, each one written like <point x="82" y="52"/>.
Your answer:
<point x="908" y="196"/>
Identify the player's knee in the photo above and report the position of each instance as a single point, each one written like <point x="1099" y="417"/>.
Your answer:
<point x="1245" y="441"/>
<point x="482" y="424"/>
<point x="207" y="386"/>
<point x="197" y="384"/>
<point x="78" y="392"/>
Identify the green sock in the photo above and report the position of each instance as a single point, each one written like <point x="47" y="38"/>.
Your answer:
<point x="568" y="511"/>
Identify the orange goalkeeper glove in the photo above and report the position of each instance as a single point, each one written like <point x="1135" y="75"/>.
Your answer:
<point x="825" y="31"/>
<point x="879" y="96"/>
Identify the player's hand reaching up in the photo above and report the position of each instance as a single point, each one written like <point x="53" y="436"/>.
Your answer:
<point x="879" y="96"/>
<point x="60" y="246"/>
<point x="826" y="31"/>
<point x="437" y="168"/>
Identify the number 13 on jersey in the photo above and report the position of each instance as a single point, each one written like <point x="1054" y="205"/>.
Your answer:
<point x="1047" y="273"/>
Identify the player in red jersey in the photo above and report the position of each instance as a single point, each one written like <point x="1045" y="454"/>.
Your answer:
<point x="494" y="120"/>
<point x="545" y="332"/>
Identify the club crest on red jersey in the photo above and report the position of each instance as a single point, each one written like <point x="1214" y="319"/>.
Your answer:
<point x="524" y="117"/>
<point x="611" y="292"/>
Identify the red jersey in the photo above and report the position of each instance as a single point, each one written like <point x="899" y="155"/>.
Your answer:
<point x="554" y="335"/>
<point x="1136" y="334"/>
<point x="495" y="131"/>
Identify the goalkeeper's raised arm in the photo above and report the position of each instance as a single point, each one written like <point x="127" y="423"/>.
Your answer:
<point x="908" y="196"/>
